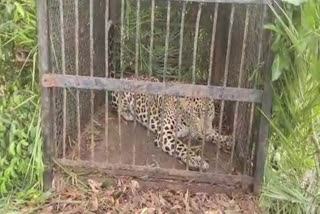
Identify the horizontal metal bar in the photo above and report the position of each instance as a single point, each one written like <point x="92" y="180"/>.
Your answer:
<point x="154" y="88"/>
<point x="227" y="1"/>
<point x="242" y="182"/>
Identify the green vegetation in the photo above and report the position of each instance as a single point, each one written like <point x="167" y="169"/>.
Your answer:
<point x="296" y="108"/>
<point x="156" y="65"/>
<point x="21" y="164"/>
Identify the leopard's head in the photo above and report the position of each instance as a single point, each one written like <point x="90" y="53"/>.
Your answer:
<point x="200" y="114"/>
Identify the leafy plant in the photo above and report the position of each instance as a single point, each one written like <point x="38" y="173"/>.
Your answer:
<point x="21" y="164"/>
<point x="296" y="109"/>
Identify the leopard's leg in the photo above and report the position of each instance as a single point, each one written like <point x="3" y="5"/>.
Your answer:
<point x="169" y="145"/>
<point x="225" y="141"/>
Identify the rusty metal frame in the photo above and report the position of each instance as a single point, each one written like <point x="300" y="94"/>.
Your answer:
<point x="46" y="93"/>
<point x="154" y="88"/>
<point x="50" y="81"/>
<point x="262" y="142"/>
<point x="228" y="1"/>
<point x="241" y="182"/>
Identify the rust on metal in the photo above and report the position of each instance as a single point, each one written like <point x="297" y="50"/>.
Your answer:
<point x="240" y="181"/>
<point x="155" y="88"/>
<point x="95" y="83"/>
<point x="46" y="94"/>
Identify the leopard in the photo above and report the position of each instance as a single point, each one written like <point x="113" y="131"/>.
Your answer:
<point x="172" y="119"/>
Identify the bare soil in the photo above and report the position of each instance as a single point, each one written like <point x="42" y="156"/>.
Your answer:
<point x="101" y="193"/>
<point x="130" y="144"/>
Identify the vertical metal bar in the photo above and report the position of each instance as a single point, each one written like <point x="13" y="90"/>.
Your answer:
<point x="53" y="64"/>
<point x="177" y="118"/>
<point x="253" y="105"/>
<point x="121" y="38"/>
<point x="167" y="41"/>
<point x="64" y="134"/>
<point x="194" y="61"/>
<point x="122" y="29"/>
<point x="150" y="59"/>
<point x="136" y="74"/>
<point x="205" y="118"/>
<point x="151" y="37"/>
<point x="91" y="74"/>
<point x="213" y="38"/>
<point x="195" y="44"/>
<point x="183" y="13"/>
<point x="106" y="50"/>
<point x="226" y="69"/>
<point x="264" y="129"/>
<point x="54" y="91"/>
<point x="264" y="124"/>
<point x="243" y="52"/>
<point x="76" y="4"/>
<point x="119" y="127"/>
<point x="46" y="93"/>
<point x="165" y="67"/>
<point x="137" y="37"/>
<point x="188" y="153"/>
<point x="177" y="115"/>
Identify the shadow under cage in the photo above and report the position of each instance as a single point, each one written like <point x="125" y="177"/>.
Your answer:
<point x="159" y="90"/>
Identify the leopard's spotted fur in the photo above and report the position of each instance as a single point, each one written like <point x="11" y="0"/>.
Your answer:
<point x="190" y="122"/>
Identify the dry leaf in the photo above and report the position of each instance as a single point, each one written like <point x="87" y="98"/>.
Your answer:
<point x="186" y="201"/>
<point x="134" y="186"/>
<point x="147" y="210"/>
<point x="193" y="204"/>
<point x="213" y="212"/>
<point x="232" y="212"/>
<point x="95" y="186"/>
<point x="47" y="210"/>
<point x="94" y="204"/>
<point x="177" y="206"/>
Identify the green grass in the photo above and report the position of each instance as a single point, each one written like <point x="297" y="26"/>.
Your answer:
<point x="296" y="109"/>
<point x="295" y="119"/>
<point x="158" y="54"/>
<point x="21" y="166"/>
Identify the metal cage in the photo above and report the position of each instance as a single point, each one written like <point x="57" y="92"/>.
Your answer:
<point x="214" y="49"/>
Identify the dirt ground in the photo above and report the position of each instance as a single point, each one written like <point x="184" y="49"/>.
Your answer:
<point x="146" y="154"/>
<point x="93" y="194"/>
<point x="101" y="193"/>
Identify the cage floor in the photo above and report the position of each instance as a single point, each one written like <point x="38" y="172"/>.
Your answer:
<point x="146" y="154"/>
